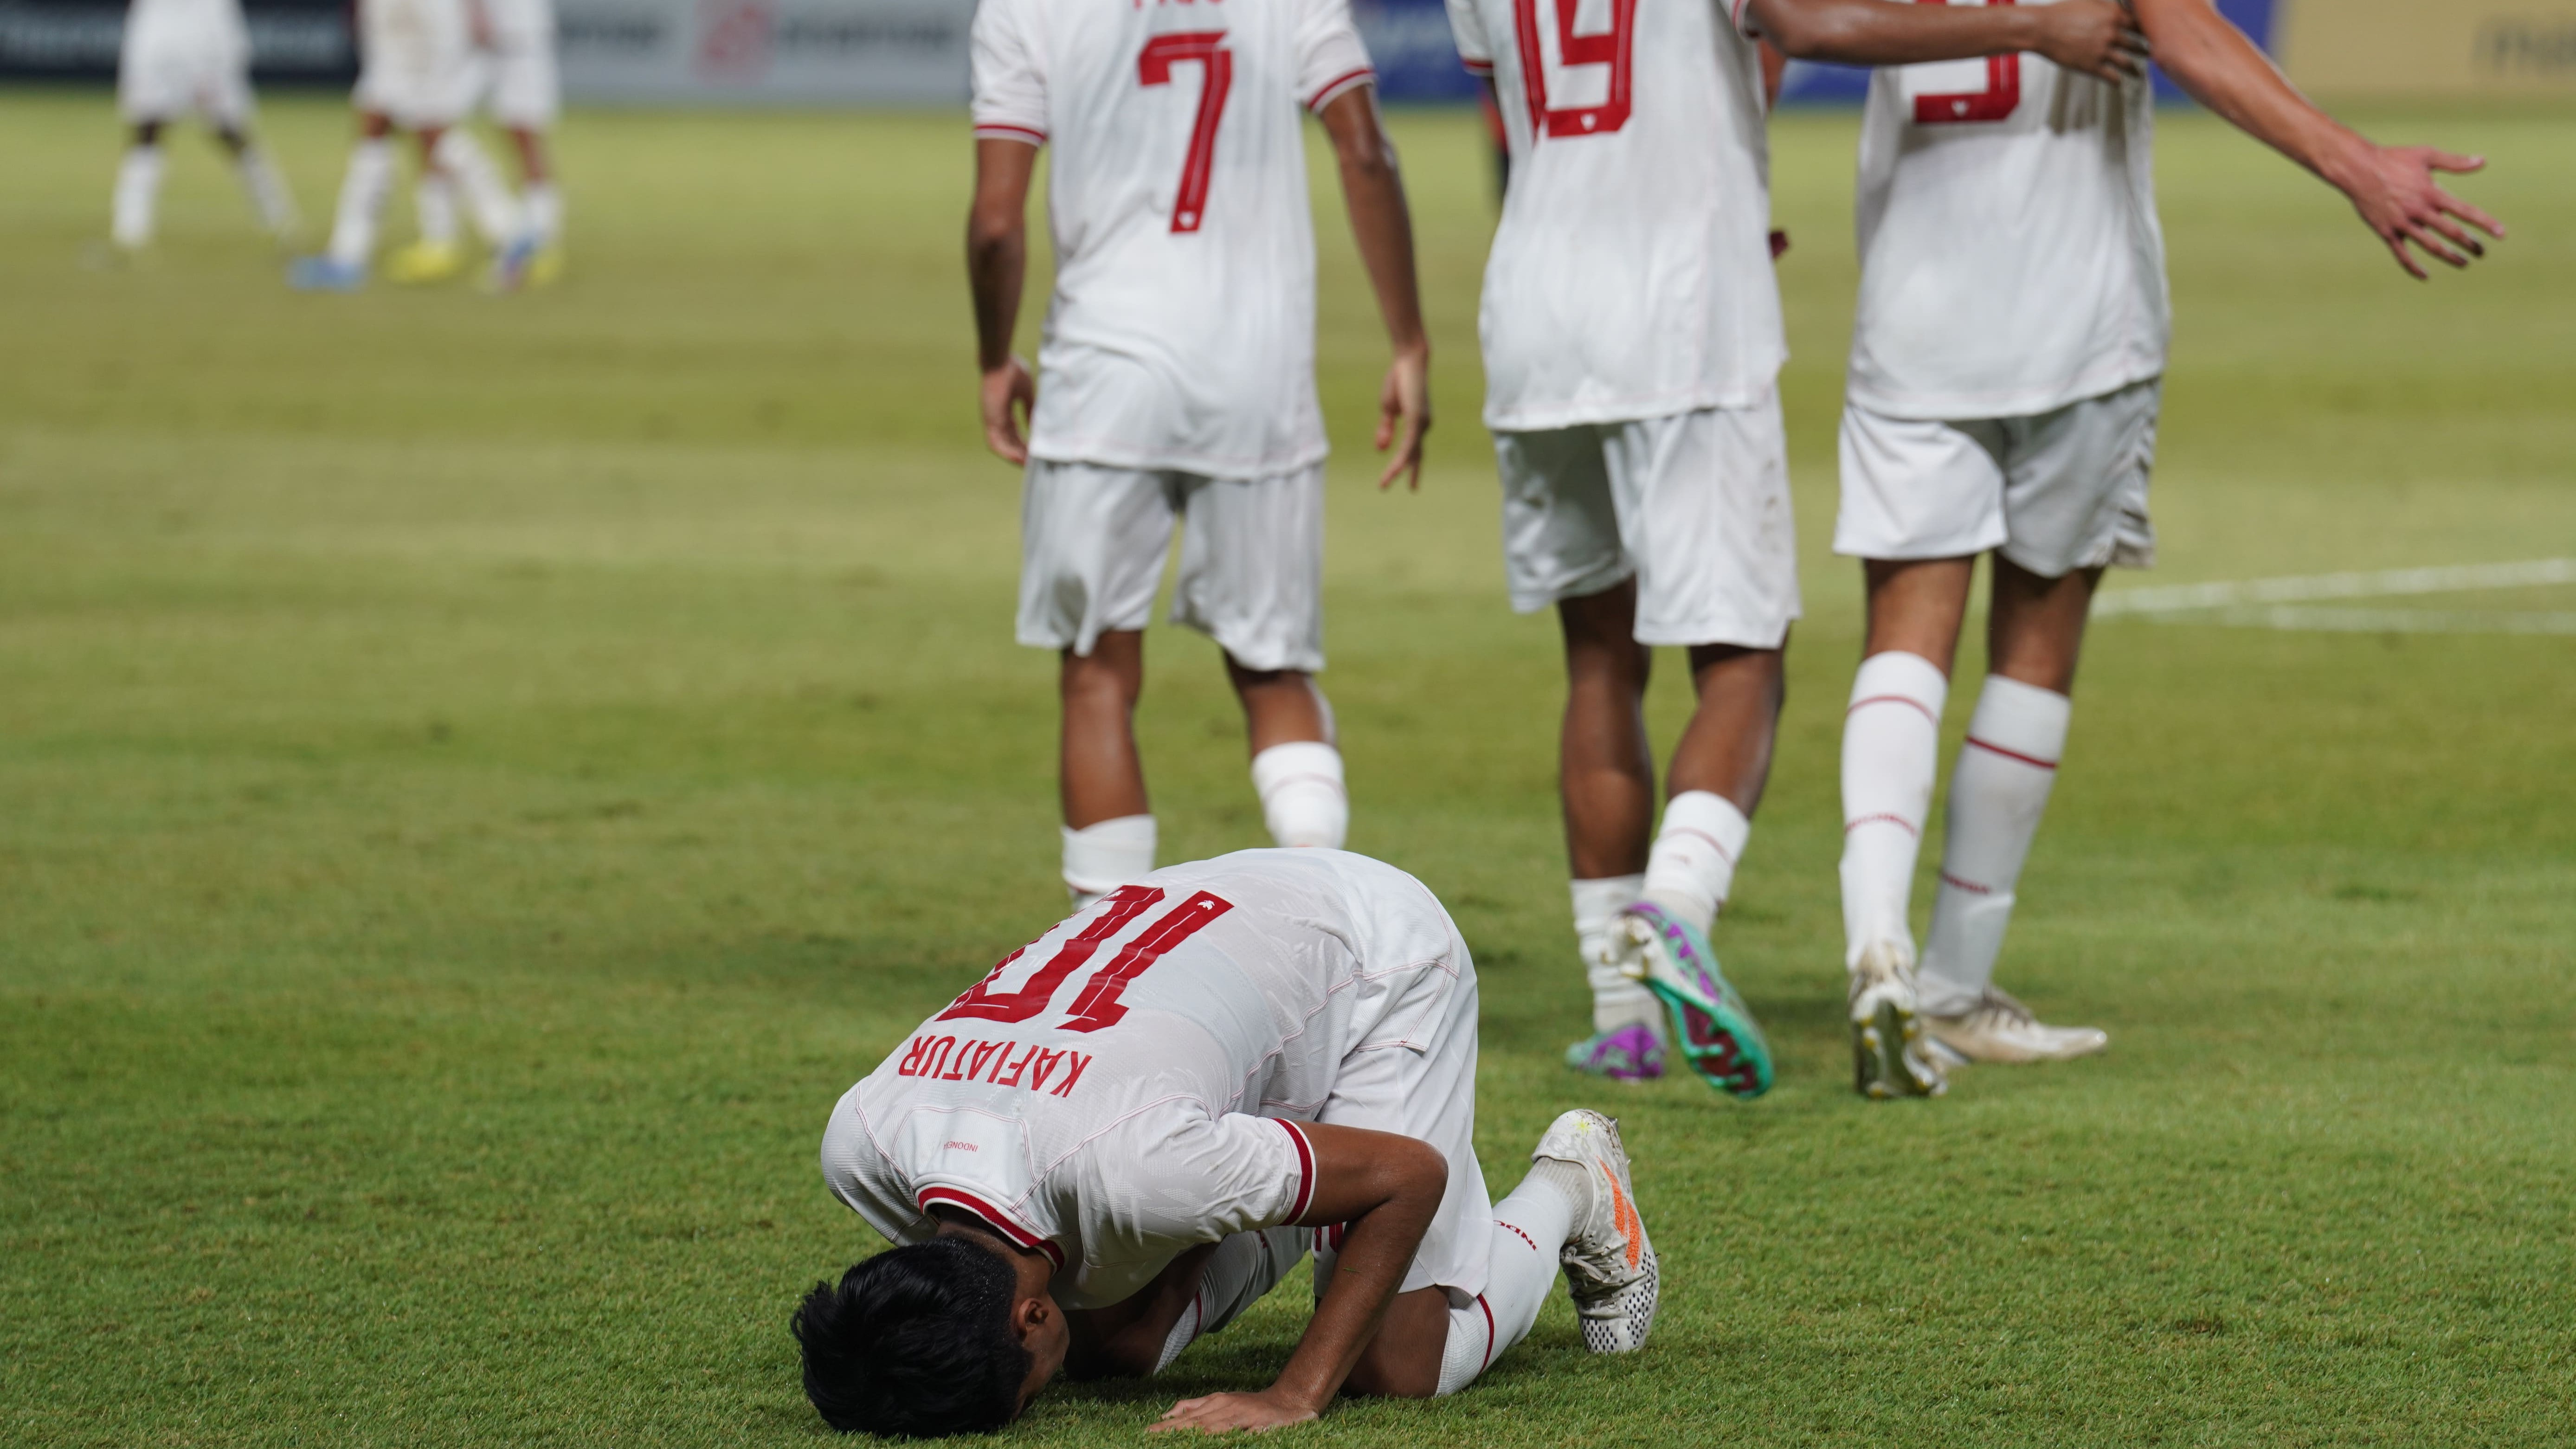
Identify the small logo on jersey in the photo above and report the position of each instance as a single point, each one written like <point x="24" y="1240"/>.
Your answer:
<point x="999" y="1063"/>
<point x="960" y="1146"/>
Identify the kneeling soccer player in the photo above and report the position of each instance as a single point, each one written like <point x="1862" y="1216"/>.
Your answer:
<point x="1141" y="1121"/>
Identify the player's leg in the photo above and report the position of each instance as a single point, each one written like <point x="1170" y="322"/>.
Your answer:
<point x="138" y="188"/>
<point x="1252" y="578"/>
<point x="1092" y="541"/>
<point x="1703" y="506"/>
<point x="1561" y="547"/>
<point x="229" y="108"/>
<point x="1920" y="499"/>
<point x="2076" y="502"/>
<point x="364" y="186"/>
<point x="498" y="217"/>
<point x="526" y="101"/>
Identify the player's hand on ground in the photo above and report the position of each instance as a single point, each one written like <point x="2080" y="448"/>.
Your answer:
<point x="2097" y="39"/>
<point x="2396" y="194"/>
<point x="1403" y="416"/>
<point x="1224" y="1413"/>
<point x="1009" y="394"/>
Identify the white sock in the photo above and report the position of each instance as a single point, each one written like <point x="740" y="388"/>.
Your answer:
<point x="1891" y="744"/>
<point x="269" y="194"/>
<point x="1100" y="858"/>
<point x="1616" y="1000"/>
<point x="1302" y="799"/>
<point x="362" y="200"/>
<point x="1243" y="1268"/>
<point x="1520" y="1271"/>
<point x="1692" y="866"/>
<point x="433" y="204"/>
<point x="544" y="203"/>
<point x="138" y="187"/>
<point x="497" y="214"/>
<point x="1998" y="790"/>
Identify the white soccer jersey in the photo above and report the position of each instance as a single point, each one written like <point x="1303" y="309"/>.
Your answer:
<point x="183" y="56"/>
<point x="2010" y="258"/>
<point x="1631" y="276"/>
<point x="1126" y="1086"/>
<point x="1182" y="334"/>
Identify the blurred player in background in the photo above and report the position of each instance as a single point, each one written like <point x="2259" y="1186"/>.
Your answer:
<point x="522" y="90"/>
<point x="2005" y="373"/>
<point x="1179" y="369"/>
<point x="416" y="74"/>
<point x="188" y="58"/>
<point x="1131" y="1130"/>
<point x="1632" y="337"/>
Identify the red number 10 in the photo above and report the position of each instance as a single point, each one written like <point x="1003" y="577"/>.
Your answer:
<point x="1097" y="1004"/>
<point x="1997" y="102"/>
<point x="1613" y="47"/>
<point x="1154" y="68"/>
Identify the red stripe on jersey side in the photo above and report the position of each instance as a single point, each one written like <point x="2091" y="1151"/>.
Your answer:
<point x="1305" y="1169"/>
<point x="999" y="1221"/>
<point x="1918" y="706"/>
<point x="1333" y="88"/>
<point x="2031" y="760"/>
<point x="996" y="131"/>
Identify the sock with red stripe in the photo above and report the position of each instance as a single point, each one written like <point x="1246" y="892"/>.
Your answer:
<point x="1692" y="865"/>
<point x="1303" y="800"/>
<point x="1891" y="747"/>
<point x="1529" y="1227"/>
<point x="1997" y="792"/>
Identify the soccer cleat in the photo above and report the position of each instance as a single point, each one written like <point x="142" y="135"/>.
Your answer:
<point x="1711" y="1026"/>
<point x="1888" y="1056"/>
<point x="510" y="269"/>
<point x="1630" y="1054"/>
<point x="424" y="262"/>
<point x="1609" y="1264"/>
<point x="2001" y="1029"/>
<point x="322" y="274"/>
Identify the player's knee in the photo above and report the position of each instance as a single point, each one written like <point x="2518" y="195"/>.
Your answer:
<point x="915" y="1341"/>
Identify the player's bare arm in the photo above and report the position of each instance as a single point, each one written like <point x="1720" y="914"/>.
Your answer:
<point x="1387" y="1188"/>
<point x="1373" y="188"/>
<point x="997" y="259"/>
<point x="2393" y="187"/>
<point x="2087" y="36"/>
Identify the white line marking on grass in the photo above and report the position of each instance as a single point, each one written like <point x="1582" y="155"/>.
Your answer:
<point x="2236" y="602"/>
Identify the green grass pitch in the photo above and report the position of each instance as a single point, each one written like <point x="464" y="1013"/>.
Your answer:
<point x="478" y="777"/>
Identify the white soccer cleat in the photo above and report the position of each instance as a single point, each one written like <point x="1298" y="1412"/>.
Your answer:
<point x="1609" y="1264"/>
<point x="1888" y="1055"/>
<point x="2001" y="1029"/>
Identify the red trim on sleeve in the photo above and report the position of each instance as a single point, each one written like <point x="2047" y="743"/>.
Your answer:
<point x="999" y="131"/>
<point x="1477" y="67"/>
<point x="1305" y="1169"/>
<point x="1333" y="88"/>
<point x="1000" y="1221"/>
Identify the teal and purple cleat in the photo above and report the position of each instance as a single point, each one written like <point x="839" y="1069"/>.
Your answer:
<point x="1630" y="1054"/>
<point x="1711" y="1027"/>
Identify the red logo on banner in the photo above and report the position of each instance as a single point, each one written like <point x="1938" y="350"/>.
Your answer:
<point x="733" y="38"/>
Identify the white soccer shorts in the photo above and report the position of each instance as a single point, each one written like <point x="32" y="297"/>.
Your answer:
<point x="417" y="62"/>
<point x="526" y="89"/>
<point x="1093" y="538"/>
<point x="167" y="69"/>
<point x="1695" y="506"/>
<point x="1425" y="1088"/>
<point x="2055" y="492"/>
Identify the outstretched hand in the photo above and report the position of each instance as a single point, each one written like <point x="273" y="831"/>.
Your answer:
<point x="2093" y="38"/>
<point x="1225" y="1413"/>
<point x="1008" y="395"/>
<point x="1403" y="416"/>
<point x="2398" y="198"/>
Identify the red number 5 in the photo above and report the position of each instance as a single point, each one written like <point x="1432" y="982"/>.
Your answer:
<point x="1997" y="102"/>
<point x="1613" y="47"/>
<point x="1154" y="68"/>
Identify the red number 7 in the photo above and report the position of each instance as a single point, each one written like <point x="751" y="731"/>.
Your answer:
<point x="1154" y="68"/>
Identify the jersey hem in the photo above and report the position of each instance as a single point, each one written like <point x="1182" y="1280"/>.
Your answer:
<point x="1001" y="1222"/>
<point x="1003" y="131"/>
<point x="1960" y="407"/>
<point x="1099" y="455"/>
<point x="1629" y="410"/>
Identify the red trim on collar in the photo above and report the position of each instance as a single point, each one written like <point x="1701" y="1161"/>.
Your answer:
<point x="998" y="1220"/>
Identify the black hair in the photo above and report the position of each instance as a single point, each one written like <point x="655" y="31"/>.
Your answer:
<point x="915" y="1341"/>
